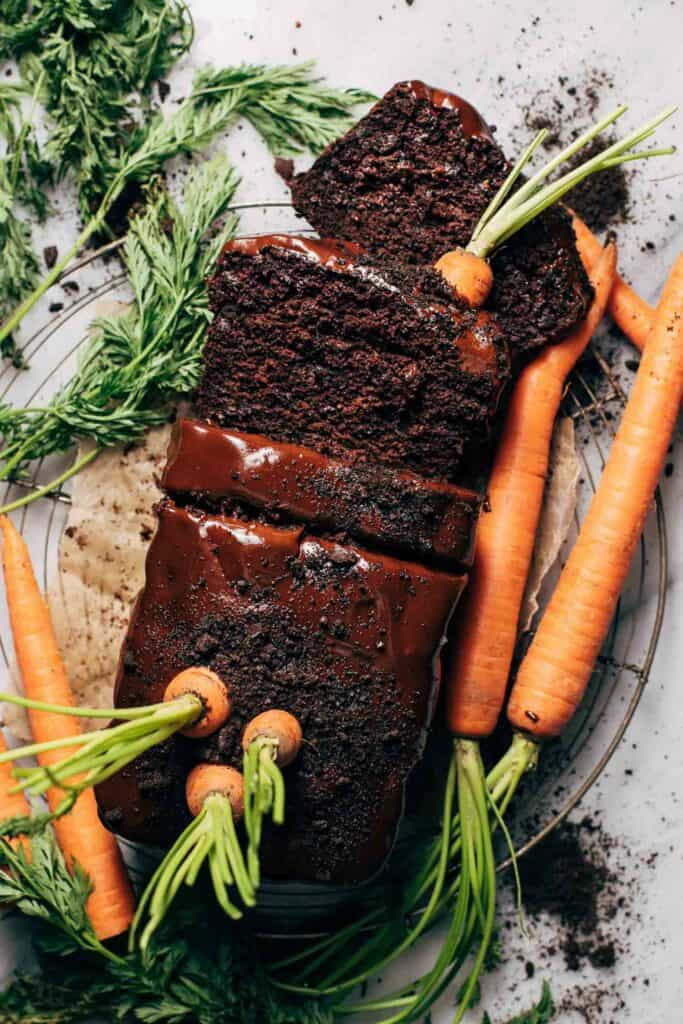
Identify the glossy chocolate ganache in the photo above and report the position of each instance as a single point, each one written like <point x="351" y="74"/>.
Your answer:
<point x="345" y="637"/>
<point x="399" y="511"/>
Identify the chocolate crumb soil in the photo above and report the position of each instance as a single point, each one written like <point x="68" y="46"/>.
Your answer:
<point x="565" y="108"/>
<point x="571" y="877"/>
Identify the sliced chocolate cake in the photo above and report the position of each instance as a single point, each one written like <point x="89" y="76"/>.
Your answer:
<point x="313" y="344"/>
<point x="341" y="634"/>
<point x="411" y="180"/>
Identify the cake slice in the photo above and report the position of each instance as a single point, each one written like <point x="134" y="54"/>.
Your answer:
<point x="411" y="180"/>
<point x="313" y="344"/>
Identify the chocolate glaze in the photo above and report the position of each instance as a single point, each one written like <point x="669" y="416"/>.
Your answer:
<point x="328" y="252"/>
<point x="342" y="637"/>
<point x="473" y="124"/>
<point x="389" y="509"/>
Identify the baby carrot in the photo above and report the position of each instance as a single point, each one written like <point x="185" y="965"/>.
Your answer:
<point x="487" y="631"/>
<point x="80" y="833"/>
<point x="558" y="665"/>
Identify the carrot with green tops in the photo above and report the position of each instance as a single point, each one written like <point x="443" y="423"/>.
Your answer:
<point x="215" y="799"/>
<point x="558" y="665"/>
<point x="632" y="314"/>
<point x="196" y="704"/>
<point x="487" y="622"/>
<point x="270" y="742"/>
<point x="467" y="269"/>
<point x="218" y="796"/>
<point x="80" y="833"/>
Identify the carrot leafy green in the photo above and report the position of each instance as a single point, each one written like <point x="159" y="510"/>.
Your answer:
<point x="141" y="359"/>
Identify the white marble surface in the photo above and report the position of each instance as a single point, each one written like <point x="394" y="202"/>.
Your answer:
<point x="467" y="47"/>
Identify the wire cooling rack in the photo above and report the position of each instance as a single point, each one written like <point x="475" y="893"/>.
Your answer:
<point x="594" y="399"/>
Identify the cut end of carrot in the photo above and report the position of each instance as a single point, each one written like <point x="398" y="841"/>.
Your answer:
<point x="281" y="727"/>
<point x="210" y="689"/>
<point x="206" y="780"/>
<point x="468" y="275"/>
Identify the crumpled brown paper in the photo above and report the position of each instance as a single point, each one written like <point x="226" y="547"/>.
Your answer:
<point x="557" y="514"/>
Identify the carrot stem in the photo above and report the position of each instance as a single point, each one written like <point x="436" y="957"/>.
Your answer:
<point x="508" y="214"/>
<point x="98" y="755"/>
<point x="264" y="795"/>
<point x="210" y="839"/>
<point x="391" y="938"/>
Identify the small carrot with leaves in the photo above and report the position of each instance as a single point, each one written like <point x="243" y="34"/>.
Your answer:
<point x="271" y="741"/>
<point x="215" y="798"/>
<point x="467" y="270"/>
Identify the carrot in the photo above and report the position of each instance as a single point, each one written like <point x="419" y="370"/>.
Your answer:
<point x="468" y="274"/>
<point x="12" y="804"/>
<point x="281" y="729"/>
<point x="632" y="314"/>
<point x="487" y="630"/>
<point x="558" y="665"/>
<point x="215" y="798"/>
<point x="467" y="270"/>
<point x="271" y="741"/>
<point x="213" y="694"/>
<point x="80" y="833"/>
<point x="206" y="780"/>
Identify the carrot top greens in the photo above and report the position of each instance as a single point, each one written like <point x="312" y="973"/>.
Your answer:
<point x="509" y="211"/>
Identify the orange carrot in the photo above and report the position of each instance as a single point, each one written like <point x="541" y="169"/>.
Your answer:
<point x="282" y="729"/>
<point x="469" y="275"/>
<point x="207" y="780"/>
<point x="203" y="683"/>
<point x="487" y="631"/>
<point x="12" y="804"/>
<point x="632" y="314"/>
<point x="555" y="672"/>
<point x="80" y="833"/>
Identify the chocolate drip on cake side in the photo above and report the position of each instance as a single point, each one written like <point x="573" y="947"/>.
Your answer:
<point x="241" y="473"/>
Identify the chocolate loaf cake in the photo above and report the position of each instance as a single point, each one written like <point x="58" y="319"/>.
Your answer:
<point x="344" y="636"/>
<point x="411" y="180"/>
<point x="312" y="344"/>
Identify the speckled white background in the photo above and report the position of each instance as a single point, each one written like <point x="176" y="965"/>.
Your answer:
<point x="469" y="47"/>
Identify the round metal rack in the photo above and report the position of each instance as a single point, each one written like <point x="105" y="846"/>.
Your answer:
<point x="569" y="766"/>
